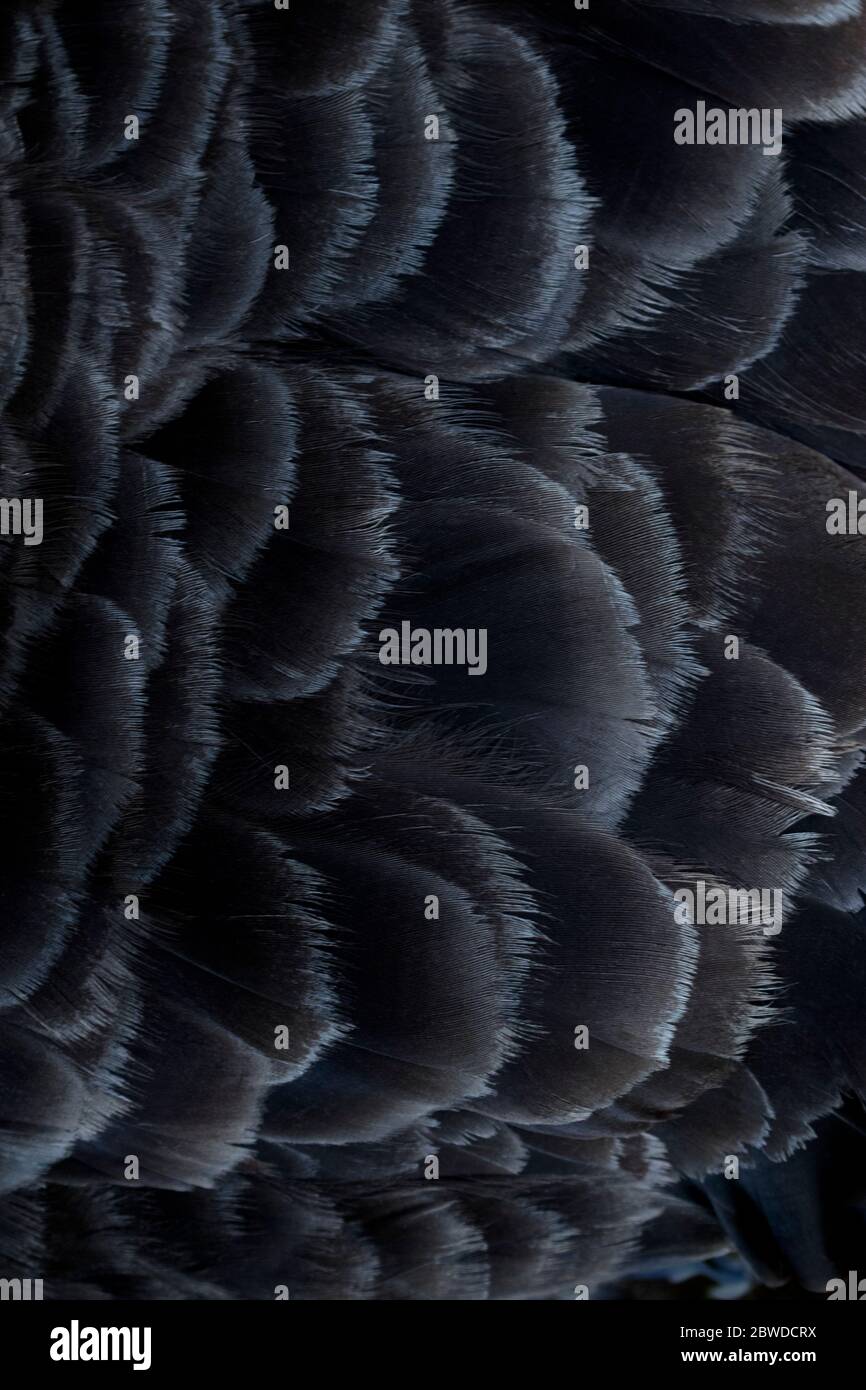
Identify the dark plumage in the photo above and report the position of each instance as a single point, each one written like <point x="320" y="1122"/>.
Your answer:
<point x="289" y="367"/>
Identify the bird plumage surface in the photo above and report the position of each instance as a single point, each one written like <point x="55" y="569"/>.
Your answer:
<point x="382" y="997"/>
